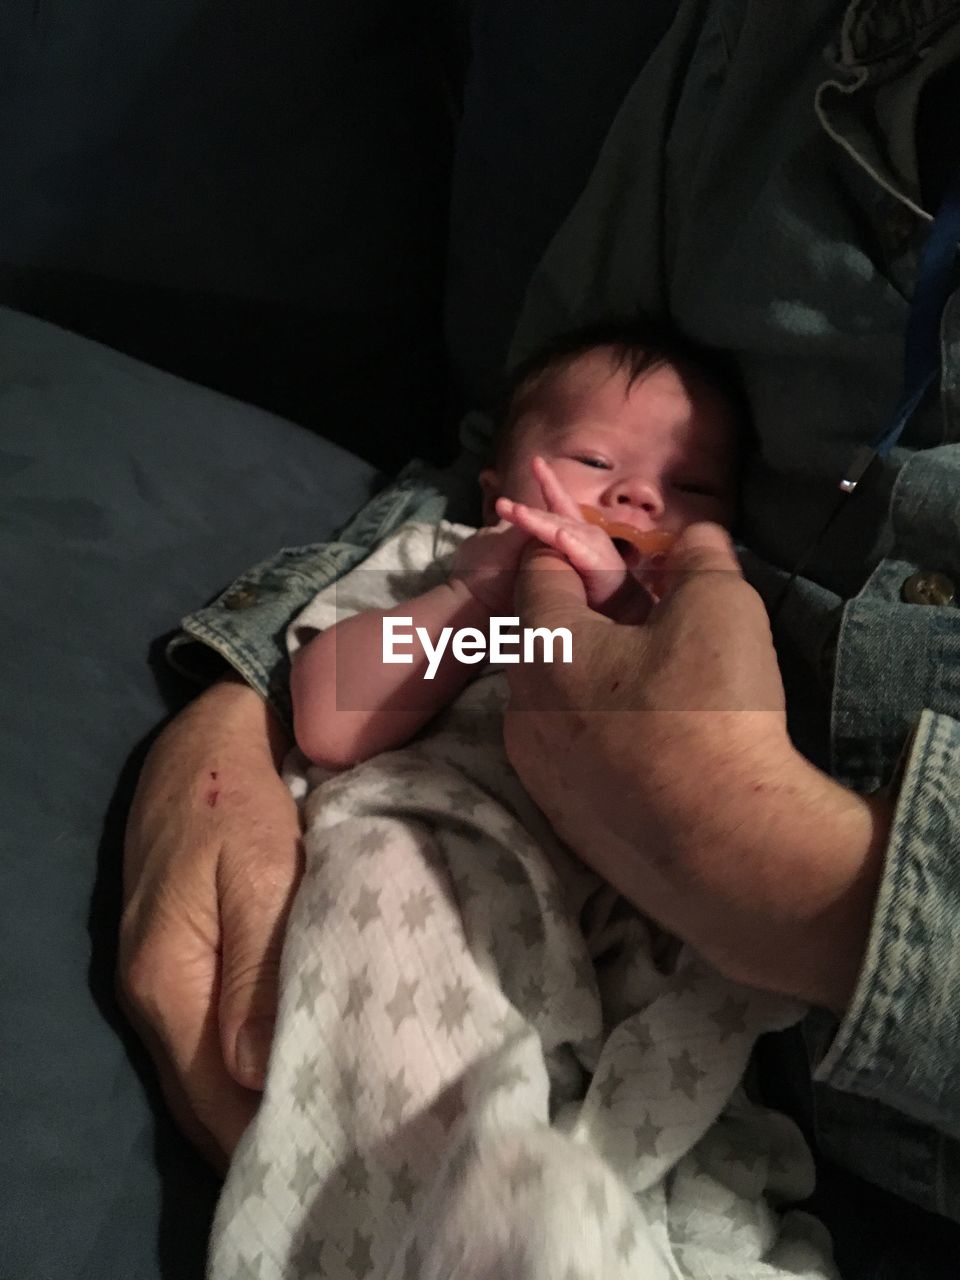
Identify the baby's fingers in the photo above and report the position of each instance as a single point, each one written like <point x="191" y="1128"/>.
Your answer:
<point x="554" y="494"/>
<point x="587" y="542"/>
<point x="587" y="548"/>
<point x="541" y="524"/>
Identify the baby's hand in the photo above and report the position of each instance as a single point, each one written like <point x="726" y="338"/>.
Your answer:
<point x="589" y="550"/>
<point x="611" y="588"/>
<point x="486" y="563"/>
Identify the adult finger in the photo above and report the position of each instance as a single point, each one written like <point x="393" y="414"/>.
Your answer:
<point x="549" y="591"/>
<point x="608" y="584"/>
<point x="255" y="899"/>
<point x="169" y="988"/>
<point x="700" y="549"/>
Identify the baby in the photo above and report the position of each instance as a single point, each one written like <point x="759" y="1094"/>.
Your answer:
<point x="610" y="418"/>
<point x="486" y="1063"/>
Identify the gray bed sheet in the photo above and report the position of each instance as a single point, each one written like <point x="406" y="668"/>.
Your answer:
<point x="126" y="497"/>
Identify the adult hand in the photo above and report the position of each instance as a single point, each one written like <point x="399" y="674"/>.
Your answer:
<point x="661" y="756"/>
<point x="212" y="860"/>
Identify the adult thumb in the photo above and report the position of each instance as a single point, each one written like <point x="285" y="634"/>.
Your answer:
<point x="548" y="590"/>
<point x="700" y="548"/>
<point x="253" y="923"/>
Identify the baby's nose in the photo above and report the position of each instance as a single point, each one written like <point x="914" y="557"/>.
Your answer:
<point x="641" y="494"/>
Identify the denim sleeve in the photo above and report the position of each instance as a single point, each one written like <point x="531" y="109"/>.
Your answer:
<point x="245" y="626"/>
<point x="888" y="1075"/>
<point x="899" y="1042"/>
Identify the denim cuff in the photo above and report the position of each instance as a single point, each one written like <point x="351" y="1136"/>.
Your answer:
<point x="245" y="626"/>
<point x="899" y="1041"/>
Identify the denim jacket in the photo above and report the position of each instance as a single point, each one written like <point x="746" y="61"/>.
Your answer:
<point x="760" y="184"/>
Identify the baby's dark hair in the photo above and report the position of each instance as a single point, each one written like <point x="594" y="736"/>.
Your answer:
<point x="637" y="343"/>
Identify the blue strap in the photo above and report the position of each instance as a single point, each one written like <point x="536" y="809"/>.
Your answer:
<point x="935" y="281"/>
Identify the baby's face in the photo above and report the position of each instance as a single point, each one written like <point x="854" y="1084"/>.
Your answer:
<point x="659" y="454"/>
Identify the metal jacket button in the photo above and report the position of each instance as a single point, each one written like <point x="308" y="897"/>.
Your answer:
<point x="242" y="598"/>
<point x="928" y="587"/>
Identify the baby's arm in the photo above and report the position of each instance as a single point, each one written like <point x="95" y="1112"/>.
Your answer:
<point x="349" y="705"/>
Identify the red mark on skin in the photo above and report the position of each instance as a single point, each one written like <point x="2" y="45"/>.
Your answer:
<point x="213" y="774"/>
<point x="212" y="797"/>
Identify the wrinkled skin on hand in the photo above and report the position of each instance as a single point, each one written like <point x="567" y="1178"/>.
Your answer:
<point x="661" y="756"/>
<point x="698" y="682"/>
<point x="212" y="859"/>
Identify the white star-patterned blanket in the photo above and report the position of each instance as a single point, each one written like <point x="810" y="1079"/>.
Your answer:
<point x="487" y="1065"/>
